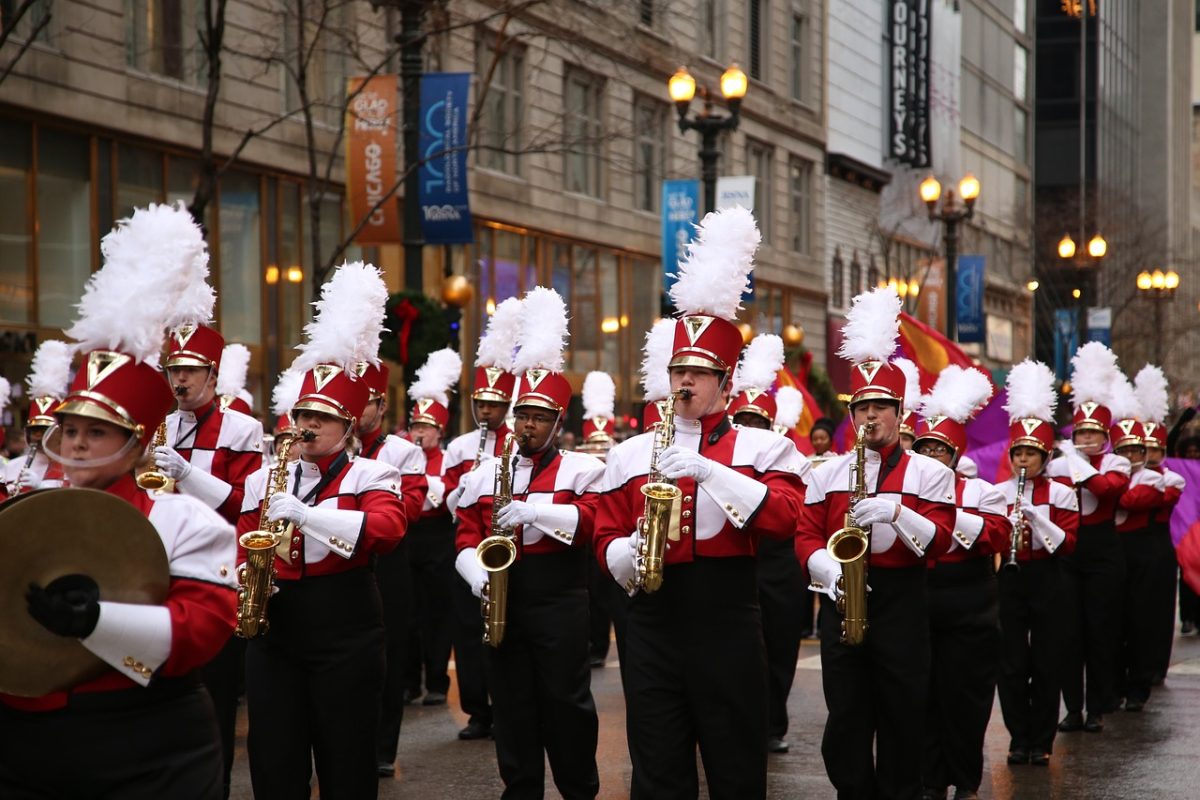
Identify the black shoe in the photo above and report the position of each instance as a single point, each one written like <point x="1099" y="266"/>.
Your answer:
<point x="1018" y="755"/>
<point x="387" y="769"/>
<point x="410" y="695"/>
<point x="1094" y="724"/>
<point x="1072" y="722"/>
<point x="596" y="661"/>
<point x="434" y="699"/>
<point x="1134" y="705"/>
<point x="1039" y="758"/>
<point x="1187" y="627"/>
<point x="776" y="745"/>
<point x="475" y="730"/>
<point x="966" y="794"/>
<point x="933" y="794"/>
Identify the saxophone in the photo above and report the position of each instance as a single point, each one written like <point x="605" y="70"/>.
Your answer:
<point x="152" y="480"/>
<point x="1018" y="531"/>
<point x="483" y="432"/>
<point x="660" y="515"/>
<point x="257" y="574"/>
<point x="849" y="546"/>
<point x="497" y="553"/>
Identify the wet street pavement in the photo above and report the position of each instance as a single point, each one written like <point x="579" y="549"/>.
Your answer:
<point x="1152" y="754"/>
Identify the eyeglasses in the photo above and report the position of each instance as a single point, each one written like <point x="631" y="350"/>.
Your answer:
<point x="934" y="449"/>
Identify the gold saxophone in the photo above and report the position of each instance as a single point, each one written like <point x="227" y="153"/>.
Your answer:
<point x="849" y="546"/>
<point x="152" y="480"/>
<point x="496" y="554"/>
<point x="257" y="574"/>
<point x="660" y="515"/>
<point x="1018" y="528"/>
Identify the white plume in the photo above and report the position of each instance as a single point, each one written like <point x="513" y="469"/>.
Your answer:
<point x="235" y="362"/>
<point x="5" y="392"/>
<point x="714" y="274"/>
<point x="912" y="383"/>
<point x="1031" y="392"/>
<point x="151" y="261"/>
<point x="349" y="319"/>
<point x="440" y="371"/>
<point x="499" y="341"/>
<point x="872" y="326"/>
<point x="789" y="405"/>
<point x="286" y="391"/>
<point x="660" y="341"/>
<point x="958" y="394"/>
<point x="599" y="395"/>
<point x="1093" y="373"/>
<point x="761" y="361"/>
<point x="543" y="331"/>
<point x="1122" y="401"/>
<point x="50" y="371"/>
<point x="1151" y="387"/>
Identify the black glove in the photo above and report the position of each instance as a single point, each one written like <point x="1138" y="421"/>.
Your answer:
<point x="68" y="606"/>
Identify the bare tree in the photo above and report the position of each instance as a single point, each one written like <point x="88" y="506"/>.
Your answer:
<point x="9" y="25"/>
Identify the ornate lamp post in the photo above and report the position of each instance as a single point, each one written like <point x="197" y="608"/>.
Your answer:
<point x="1160" y="288"/>
<point x="682" y="88"/>
<point x="950" y="215"/>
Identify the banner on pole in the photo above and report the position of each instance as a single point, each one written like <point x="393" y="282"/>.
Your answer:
<point x="680" y="210"/>
<point x="371" y="158"/>
<point x="969" y="299"/>
<point x="1066" y="340"/>
<point x="442" y="143"/>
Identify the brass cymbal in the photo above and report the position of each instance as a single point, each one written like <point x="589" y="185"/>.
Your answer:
<point x="59" y="532"/>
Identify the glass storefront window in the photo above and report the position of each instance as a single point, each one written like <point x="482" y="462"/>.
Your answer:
<point x="585" y="308"/>
<point x="64" y="208"/>
<point x="15" y="161"/>
<point x="139" y="179"/>
<point x="240" y="286"/>
<point x="506" y="264"/>
<point x="610" y="321"/>
<point x="295" y="292"/>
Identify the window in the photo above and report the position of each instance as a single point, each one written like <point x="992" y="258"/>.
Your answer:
<point x="322" y="38"/>
<point x="649" y="151"/>
<point x="139" y="179"/>
<point x="241" y="258"/>
<point x="755" y="18"/>
<point x="707" y="22"/>
<point x="64" y="207"/>
<point x="162" y="37"/>
<point x="856" y="272"/>
<point x="758" y="164"/>
<point x="35" y="18"/>
<point x="801" y="190"/>
<point x="872" y="273"/>
<point x="837" y="279"/>
<point x="16" y="286"/>
<point x="583" y="128"/>
<point x="646" y="12"/>
<point x="502" y="103"/>
<point x="800" y="58"/>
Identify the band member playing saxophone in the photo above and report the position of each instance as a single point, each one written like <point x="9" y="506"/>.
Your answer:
<point x="695" y="671"/>
<point x="524" y="529"/>
<point x="875" y="675"/>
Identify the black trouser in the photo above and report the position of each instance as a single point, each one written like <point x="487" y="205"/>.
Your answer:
<point x="876" y="692"/>
<point x="134" y="744"/>
<point x="599" y="620"/>
<point x="781" y="596"/>
<point x="1093" y="586"/>
<point x="1149" y="608"/>
<point x="395" y="592"/>
<point x="1189" y="602"/>
<point x="468" y="654"/>
<point x="1031" y="625"/>
<point x="964" y="626"/>
<point x="225" y="677"/>
<point x="314" y="684"/>
<point x="541" y="680"/>
<point x="696" y="675"/>
<point x="431" y="561"/>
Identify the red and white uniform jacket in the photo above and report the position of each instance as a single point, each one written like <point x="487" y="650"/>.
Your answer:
<point x="561" y="484"/>
<point x="1101" y="480"/>
<point x="756" y="489"/>
<point x="142" y="642"/>
<point x="460" y="457"/>
<point x="435" y="499"/>
<point x="409" y="461"/>
<point x="42" y="474"/>
<point x="967" y="467"/>
<point x="370" y="515"/>
<point x="1053" y="530"/>
<point x="981" y="527"/>
<point x="1137" y="504"/>
<point x="916" y="482"/>
<point x="226" y="445"/>
<point x="1173" y="486"/>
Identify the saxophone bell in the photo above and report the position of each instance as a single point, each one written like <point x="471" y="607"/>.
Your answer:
<point x="152" y="480"/>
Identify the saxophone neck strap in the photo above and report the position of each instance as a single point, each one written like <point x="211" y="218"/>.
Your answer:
<point x="331" y="474"/>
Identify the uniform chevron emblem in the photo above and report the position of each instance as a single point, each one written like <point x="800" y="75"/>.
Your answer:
<point x="535" y="376"/>
<point x="323" y="374"/>
<point x="1089" y="408"/>
<point x="183" y="333"/>
<point x="869" y="369"/>
<point x="695" y="326"/>
<point x="493" y="374"/>
<point x="102" y="363"/>
<point x="423" y="405"/>
<point x="1030" y="425"/>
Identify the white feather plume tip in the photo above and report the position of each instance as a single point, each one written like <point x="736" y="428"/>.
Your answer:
<point x="235" y="363"/>
<point x="760" y="364"/>
<point x="1122" y="400"/>
<point x="1093" y="372"/>
<point x="5" y="393"/>
<point x="349" y="319"/>
<point x="1151" y="387"/>
<point x="286" y="391"/>
<point x="872" y="326"/>
<point x="440" y="371"/>
<point x="912" y="382"/>
<point x="1031" y="392"/>
<point x="543" y="331"/>
<point x="958" y="394"/>
<point x="789" y="405"/>
<point x="50" y="371"/>
<point x="714" y="274"/>
<point x="499" y="341"/>
<point x="599" y="395"/>
<point x="656" y="380"/>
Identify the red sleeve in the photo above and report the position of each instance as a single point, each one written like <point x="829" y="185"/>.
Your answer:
<point x="776" y="517"/>
<point x="384" y="521"/>
<point x="1069" y="522"/>
<point x="1170" y="497"/>
<point x="453" y="476"/>
<point x="241" y="465"/>
<point x="1107" y="484"/>
<point x="202" y="620"/>
<point x="996" y="535"/>
<point x="413" y="489"/>
<point x="812" y="531"/>
<point x="615" y="518"/>
<point x="470" y="527"/>
<point x="943" y="516"/>
<point x="1141" y="498"/>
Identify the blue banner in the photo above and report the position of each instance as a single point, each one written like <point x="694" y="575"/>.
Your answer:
<point x="680" y="212"/>
<point x="1066" y="340"/>
<point x="445" y="207"/>
<point x="972" y="327"/>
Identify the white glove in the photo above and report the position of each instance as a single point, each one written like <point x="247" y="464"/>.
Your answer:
<point x="824" y="573"/>
<point x="171" y="463"/>
<point x="468" y="568"/>
<point x="874" y="510"/>
<point x="284" y="506"/>
<point x="517" y="512"/>
<point x="1034" y="515"/>
<point x="621" y="558"/>
<point x="26" y="482"/>
<point x="678" y="462"/>
<point x="453" y="498"/>
<point x="1014" y="518"/>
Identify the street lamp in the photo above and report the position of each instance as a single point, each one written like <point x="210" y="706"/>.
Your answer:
<point x="1084" y="264"/>
<point x="1160" y="287"/>
<point x="682" y="88"/>
<point x="950" y="215"/>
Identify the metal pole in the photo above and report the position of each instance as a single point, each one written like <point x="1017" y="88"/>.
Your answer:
<point x="951" y="239"/>
<point x="708" y="163"/>
<point x="1083" y="123"/>
<point x="411" y="67"/>
<point x="1158" y="328"/>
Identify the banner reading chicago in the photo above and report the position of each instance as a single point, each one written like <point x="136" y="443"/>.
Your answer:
<point x="371" y="158"/>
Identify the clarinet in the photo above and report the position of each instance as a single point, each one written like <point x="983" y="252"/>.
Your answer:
<point x="1018" y="528"/>
<point x="15" y="487"/>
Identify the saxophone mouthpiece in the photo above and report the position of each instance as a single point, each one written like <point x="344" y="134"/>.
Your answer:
<point x="305" y="435"/>
<point x="180" y="391"/>
<point x="685" y="394"/>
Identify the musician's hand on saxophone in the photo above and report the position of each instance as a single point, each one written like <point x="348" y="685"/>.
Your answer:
<point x="170" y="463"/>
<point x="517" y="512"/>
<point x="678" y="462"/>
<point x="824" y="572"/>
<point x="875" y="510"/>
<point x="468" y="568"/>
<point x="284" y="506"/>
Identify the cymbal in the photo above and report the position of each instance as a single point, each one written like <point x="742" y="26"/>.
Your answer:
<point x="58" y="532"/>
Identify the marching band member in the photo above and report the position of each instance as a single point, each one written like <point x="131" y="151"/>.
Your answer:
<point x="48" y="377"/>
<point x="780" y="579"/>
<point x="912" y="394"/>
<point x="314" y="680"/>
<point x="606" y="602"/>
<point x="493" y="387"/>
<point x="599" y="414"/>
<point x="821" y="439"/>
<point x="789" y="406"/>
<point x="231" y="380"/>
<point x="656" y="379"/>
<point x="876" y="691"/>
<point x="1151" y="387"/>
<point x="283" y="397"/>
<point x="695" y="671"/>
<point x="539" y="675"/>
<point x="144" y="728"/>
<point x="1093" y="575"/>
<point x="964" y="616"/>
<point x="1044" y="521"/>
